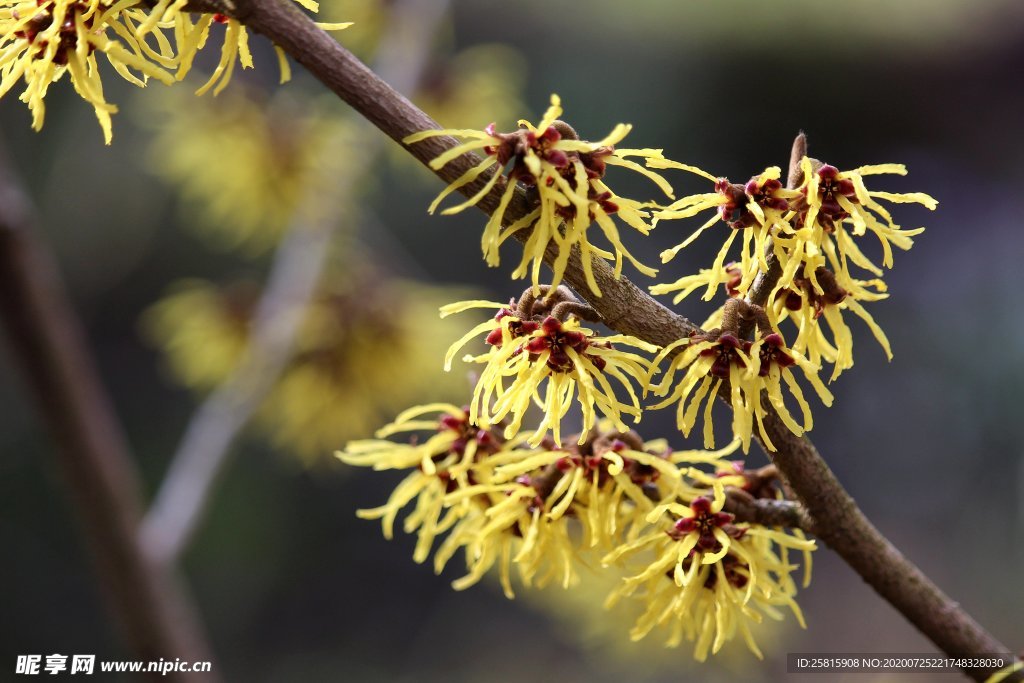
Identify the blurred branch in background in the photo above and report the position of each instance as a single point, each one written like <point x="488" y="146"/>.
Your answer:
<point x="298" y="265"/>
<point x="153" y="609"/>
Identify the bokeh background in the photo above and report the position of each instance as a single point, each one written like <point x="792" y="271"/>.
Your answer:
<point x="290" y="584"/>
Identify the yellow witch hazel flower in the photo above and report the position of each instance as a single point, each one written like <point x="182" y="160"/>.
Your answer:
<point x="41" y="40"/>
<point x="494" y="520"/>
<point x="728" y="274"/>
<point x="837" y="206"/>
<point x="721" y="357"/>
<point x="705" y="576"/>
<point x="541" y="342"/>
<point x="806" y="306"/>
<point x="817" y="220"/>
<point x="605" y="483"/>
<point x="565" y="177"/>
<point x="759" y="209"/>
<point x="440" y="464"/>
<point x="193" y="36"/>
<point x="810" y="236"/>
<point x="504" y="505"/>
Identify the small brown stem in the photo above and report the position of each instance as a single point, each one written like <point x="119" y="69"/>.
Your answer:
<point x="767" y="511"/>
<point x="563" y="310"/>
<point x="524" y="307"/>
<point x="765" y="281"/>
<point x="545" y="482"/>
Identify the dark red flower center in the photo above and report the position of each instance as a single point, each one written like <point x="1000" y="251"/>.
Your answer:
<point x="726" y="353"/>
<point x="704" y="522"/>
<point x="771" y="351"/>
<point x="764" y="193"/>
<point x="830" y="188"/>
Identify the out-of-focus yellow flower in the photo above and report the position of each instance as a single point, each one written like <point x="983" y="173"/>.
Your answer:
<point x="542" y="343"/>
<point x="361" y="353"/>
<point x="243" y="164"/>
<point x="566" y="174"/>
<point x="479" y="84"/>
<point x="203" y="330"/>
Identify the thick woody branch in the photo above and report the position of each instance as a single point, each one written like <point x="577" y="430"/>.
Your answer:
<point x="394" y="115"/>
<point x="148" y="601"/>
<point x="627" y="309"/>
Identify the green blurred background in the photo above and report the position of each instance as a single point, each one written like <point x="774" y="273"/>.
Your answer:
<point x="292" y="586"/>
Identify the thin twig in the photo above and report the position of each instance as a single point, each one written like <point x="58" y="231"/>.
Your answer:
<point x="204" y="451"/>
<point x="627" y="309"/>
<point x="152" y="608"/>
<point x="765" y="281"/>
<point x="767" y="511"/>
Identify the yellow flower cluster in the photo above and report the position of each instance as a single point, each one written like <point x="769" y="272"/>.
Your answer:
<point x="748" y="368"/>
<point x="802" y="240"/>
<point x="541" y="342"/>
<point x="565" y="179"/>
<point x="723" y="575"/>
<point x="530" y="499"/>
<point x="609" y="497"/>
<point x="810" y="234"/>
<point x="41" y="40"/>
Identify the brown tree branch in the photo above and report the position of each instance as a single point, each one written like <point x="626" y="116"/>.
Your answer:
<point x="766" y="280"/>
<point x="151" y="606"/>
<point x="767" y="511"/>
<point x="627" y="309"/>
